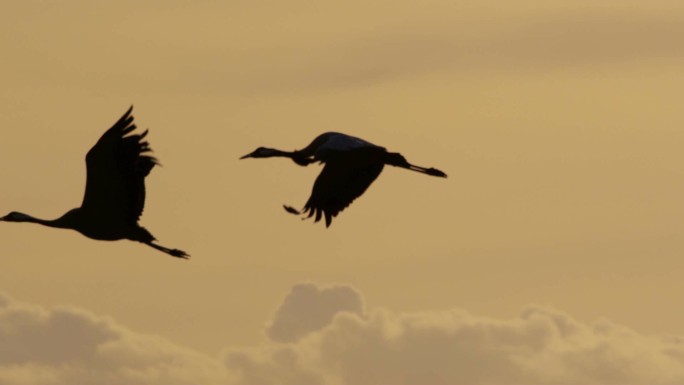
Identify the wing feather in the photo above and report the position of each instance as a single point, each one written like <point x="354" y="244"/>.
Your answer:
<point x="116" y="169"/>
<point x="341" y="181"/>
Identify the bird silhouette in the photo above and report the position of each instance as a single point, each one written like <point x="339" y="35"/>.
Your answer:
<point x="351" y="165"/>
<point x="115" y="190"/>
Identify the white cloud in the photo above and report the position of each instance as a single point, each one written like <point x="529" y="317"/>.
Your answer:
<point x="335" y="343"/>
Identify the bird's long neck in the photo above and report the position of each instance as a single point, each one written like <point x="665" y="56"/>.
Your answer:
<point x="282" y="154"/>
<point x="63" y="222"/>
<point x="300" y="157"/>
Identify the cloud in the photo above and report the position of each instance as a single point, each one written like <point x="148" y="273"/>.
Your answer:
<point x="539" y="347"/>
<point x="308" y="308"/>
<point x="332" y="341"/>
<point x="66" y="345"/>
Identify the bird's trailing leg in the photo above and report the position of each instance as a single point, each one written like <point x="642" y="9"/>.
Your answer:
<point x="430" y="171"/>
<point x="396" y="159"/>
<point x="172" y="252"/>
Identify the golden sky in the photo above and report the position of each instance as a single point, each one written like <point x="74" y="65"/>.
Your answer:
<point x="559" y="124"/>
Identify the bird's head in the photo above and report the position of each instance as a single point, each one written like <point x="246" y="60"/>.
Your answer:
<point x="15" y="217"/>
<point x="262" y="152"/>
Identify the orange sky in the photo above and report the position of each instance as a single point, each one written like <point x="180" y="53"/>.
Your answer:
<point x="558" y="123"/>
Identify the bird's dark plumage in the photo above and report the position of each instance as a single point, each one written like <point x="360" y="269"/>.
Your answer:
<point x="116" y="169"/>
<point x="114" y="196"/>
<point x="342" y="180"/>
<point x="351" y="166"/>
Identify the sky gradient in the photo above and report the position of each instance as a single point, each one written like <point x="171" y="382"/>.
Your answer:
<point x="559" y="125"/>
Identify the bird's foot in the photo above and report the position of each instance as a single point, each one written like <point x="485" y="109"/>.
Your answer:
<point x="291" y="210"/>
<point x="434" y="172"/>
<point x="179" y="254"/>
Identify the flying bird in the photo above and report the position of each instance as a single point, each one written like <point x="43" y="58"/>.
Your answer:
<point x="351" y="165"/>
<point x="115" y="190"/>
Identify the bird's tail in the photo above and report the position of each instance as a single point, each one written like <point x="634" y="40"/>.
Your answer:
<point x="398" y="160"/>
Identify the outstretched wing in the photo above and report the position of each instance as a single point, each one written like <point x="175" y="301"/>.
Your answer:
<point x="117" y="166"/>
<point x="338" y="185"/>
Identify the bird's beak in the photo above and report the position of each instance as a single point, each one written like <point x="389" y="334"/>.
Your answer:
<point x="3" y="218"/>
<point x="246" y="156"/>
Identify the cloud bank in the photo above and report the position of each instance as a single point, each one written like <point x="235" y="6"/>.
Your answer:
<point x="321" y="335"/>
<point x="66" y="345"/>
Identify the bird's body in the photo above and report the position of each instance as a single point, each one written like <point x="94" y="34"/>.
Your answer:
<point x="351" y="165"/>
<point x="335" y="141"/>
<point x="115" y="190"/>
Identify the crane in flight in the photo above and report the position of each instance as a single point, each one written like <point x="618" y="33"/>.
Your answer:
<point x="115" y="190"/>
<point x="351" y="165"/>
